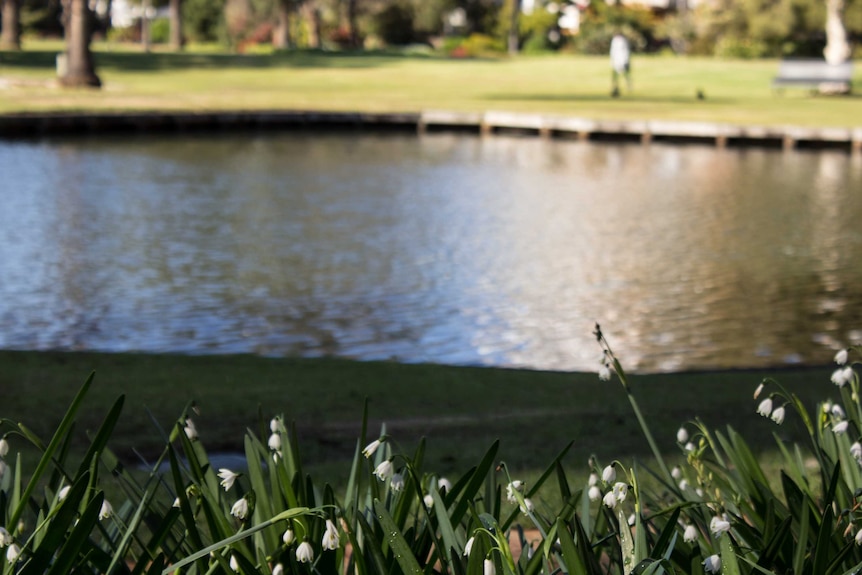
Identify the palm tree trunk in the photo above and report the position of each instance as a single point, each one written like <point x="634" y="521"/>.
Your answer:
<point x="176" y="17"/>
<point x="513" y="27"/>
<point x="10" y="36"/>
<point x="79" y="60"/>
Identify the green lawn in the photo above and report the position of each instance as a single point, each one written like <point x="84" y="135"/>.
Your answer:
<point x="736" y="92"/>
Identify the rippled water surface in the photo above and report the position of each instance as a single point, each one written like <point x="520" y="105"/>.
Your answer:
<point x="442" y="248"/>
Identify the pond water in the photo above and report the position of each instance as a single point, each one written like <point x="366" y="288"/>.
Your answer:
<point x="442" y="248"/>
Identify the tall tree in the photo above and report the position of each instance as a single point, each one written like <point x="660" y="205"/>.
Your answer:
<point x="513" y="27"/>
<point x="79" y="69"/>
<point x="352" y="27"/>
<point x="284" y="13"/>
<point x="837" y="49"/>
<point x="10" y="35"/>
<point x="175" y="14"/>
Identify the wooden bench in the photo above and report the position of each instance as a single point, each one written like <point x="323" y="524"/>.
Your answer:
<point x="815" y="74"/>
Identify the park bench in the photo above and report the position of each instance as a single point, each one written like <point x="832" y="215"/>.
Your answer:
<point x="816" y="74"/>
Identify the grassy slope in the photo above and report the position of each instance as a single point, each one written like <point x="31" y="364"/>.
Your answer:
<point x="665" y="87"/>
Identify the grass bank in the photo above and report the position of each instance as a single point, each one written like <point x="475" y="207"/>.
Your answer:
<point x="737" y="92"/>
<point x="461" y="410"/>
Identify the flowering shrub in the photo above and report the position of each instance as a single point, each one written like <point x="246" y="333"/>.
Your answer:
<point x="716" y="512"/>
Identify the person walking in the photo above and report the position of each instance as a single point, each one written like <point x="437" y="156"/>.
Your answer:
<point x="620" y="63"/>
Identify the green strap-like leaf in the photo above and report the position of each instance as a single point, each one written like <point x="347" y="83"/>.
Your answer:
<point x="397" y="543"/>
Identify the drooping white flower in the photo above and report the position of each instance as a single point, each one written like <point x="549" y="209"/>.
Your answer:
<point x="234" y="564"/>
<point x="106" y="510"/>
<point x="699" y="492"/>
<point x="5" y="538"/>
<point x="527" y="506"/>
<point x="177" y="503"/>
<point x="4" y="447"/>
<point x="682" y="435"/>
<point x="397" y="482"/>
<point x="330" y="537"/>
<point x="227" y="478"/>
<point x="765" y="407"/>
<point x="690" y="446"/>
<point x="676" y="473"/>
<point x="288" y="537"/>
<point x="595" y="493"/>
<point x="758" y="390"/>
<point x="305" y="552"/>
<point x="278" y="569"/>
<point x="488" y="568"/>
<point x="13" y="553"/>
<point x="840" y="427"/>
<point x="841" y="357"/>
<point x="859" y="537"/>
<point x="444" y="484"/>
<point x="690" y="534"/>
<point x="64" y="492"/>
<point x="719" y="525"/>
<point x="837" y="411"/>
<point x="240" y="509"/>
<point x="683" y="485"/>
<point x="3" y="468"/>
<point x="778" y="415"/>
<point x="428" y="501"/>
<point x="620" y="491"/>
<point x="842" y="376"/>
<point x="274" y="442"/>
<point x="609" y="474"/>
<point x="610" y="500"/>
<point x="371" y="448"/>
<point x="190" y="429"/>
<point x="632" y="519"/>
<point x="712" y="564"/>
<point x="593" y="479"/>
<point x="469" y="546"/>
<point x="273" y="425"/>
<point x="512" y="488"/>
<point x="856" y="450"/>
<point x="384" y="471"/>
<point x="605" y="373"/>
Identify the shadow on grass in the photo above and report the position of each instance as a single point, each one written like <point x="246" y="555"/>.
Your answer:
<point x="686" y="99"/>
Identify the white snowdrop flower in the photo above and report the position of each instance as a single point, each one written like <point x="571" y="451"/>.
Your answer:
<point x="859" y="537"/>
<point x="106" y="510"/>
<point x="605" y="373"/>
<point x="610" y="500"/>
<point x="620" y="491"/>
<point x="719" y="525"/>
<point x="682" y="435"/>
<point x="676" y="473"/>
<point x="288" y="537"/>
<point x="444" y="484"/>
<point x="428" y="501"/>
<point x="690" y="446"/>
<point x="397" y="482"/>
<point x="227" y="478"/>
<point x="5" y="538"/>
<point x="371" y="448"/>
<point x="190" y="429"/>
<point x="699" y="492"/>
<point x="841" y="357"/>
<point x="384" y="471"/>
<point x="240" y="509"/>
<point x="595" y="493"/>
<point x="837" y="411"/>
<point x="683" y="485"/>
<point x="3" y="468"/>
<point x="712" y="564"/>
<point x="305" y="552"/>
<point x="488" y="568"/>
<point x="469" y="546"/>
<point x="64" y="492"/>
<point x="330" y="537"/>
<point x="856" y="450"/>
<point x="278" y="569"/>
<point x="690" y="534"/>
<point x="840" y="427"/>
<point x="632" y="519"/>
<point x="826" y="407"/>
<point x="765" y="407"/>
<point x="593" y="479"/>
<point x="176" y="502"/>
<point x="609" y="474"/>
<point x="234" y="564"/>
<point x="512" y="488"/>
<point x="274" y="442"/>
<point x="842" y="377"/>
<point x="4" y="447"/>
<point x="758" y="390"/>
<point x="778" y="415"/>
<point x="527" y="506"/>
<point x="273" y="425"/>
<point x="13" y="553"/>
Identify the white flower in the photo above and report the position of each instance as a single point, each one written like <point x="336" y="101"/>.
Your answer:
<point x="488" y="568"/>
<point x="840" y="427"/>
<point x="234" y="564"/>
<point x="712" y="564"/>
<point x="837" y="411"/>
<point x="288" y="537"/>
<point x="758" y="390"/>
<point x="3" y="468"/>
<point x="240" y="509"/>
<point x="682" y="435"/>
<point x="428" y="501"/>
<point x="843" y="376"/>
<point x="397" y="482"/>
<point x="106" y="510"/>
<point x="595" y="493"/>
<point x="690" y="534"/>
<point x="620" y="491"/>
<point x="676" y="473"/>
<point x="778" y="415"/>
<point x="191" y="430"/>
<point x="274" y="442"/>
<point x="64" y="492"/>
<point x="841" y="357"/>
<point x="371" y="448"/>
<point x="5" y="538"/>
<point x="527" y="506"/>
<point x="593" y="479"/>
<point x="305" y="553"/>
<point x="719" y="525"/>
<point x="227" y="478"/>
<point x="609" y="474"/>
<point x="699" y="492"/>
<point x="765" y="407"/>
<point x="4" y="447"/>
<point x="632" y="519"/>
<point x="384" y="470"/>
<point x="690" y="446"/>
<point x="444" y="484"/>
<point x="273" y="425"/>
<point x="683" y="485"/>
<point x="468" y="546"/>
<point x="512" y="488"/>
<point x="856" y="450"/>
<point x="859" y="537"/>
<point x="176" y="502"/>
<point x="610" y="500"/>
<point x="605" y="373"/>
<point x="278" y="569"/>
<point x="330" y="537"/>
<point x="13" y="553"/>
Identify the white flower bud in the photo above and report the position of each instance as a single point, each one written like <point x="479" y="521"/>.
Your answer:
<point x="234" y="564"/>
<point x="676" y="473"/>
<point x="859" y="537"/>
<point x="605" y="373"/>
<point x="488" y="568"/>
<point x="841" y="357"/>
<point x="682" y="435"/>
<point x="64" y="492"/>
<point x="758" y="390"/>
<point x="469" y="546"/>
<point x="690" y="534"/>
<point x="240" y="509"/>
<point x="444" y="484"/>
<point x="288" y="537"/>
<point x="595" y="493"/>
<point x="106" y="510"/>
<point x="274" y="442"/>
<point x="278" y="569"/>
<point x="190" y="429"/>
<point x="371" y="448"/>
<point x="12" y="553"/>
<point x="609" y="474"/>
<point x="4" y="447"/>
<point x="593" y="479"/>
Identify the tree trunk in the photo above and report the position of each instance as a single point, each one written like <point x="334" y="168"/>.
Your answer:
<point x="79" y="60"/>
<point x="312" y="17"/>
<point x="10" y="36"/>
<point x="352" y="27"/>
<point x="837" y="50"/>
<point x="175" y="11"/>
<point x="281" y="33"/>
<point x="513" y="27"/>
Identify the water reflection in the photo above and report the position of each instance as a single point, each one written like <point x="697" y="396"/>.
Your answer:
<point x="442" y="248"/>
